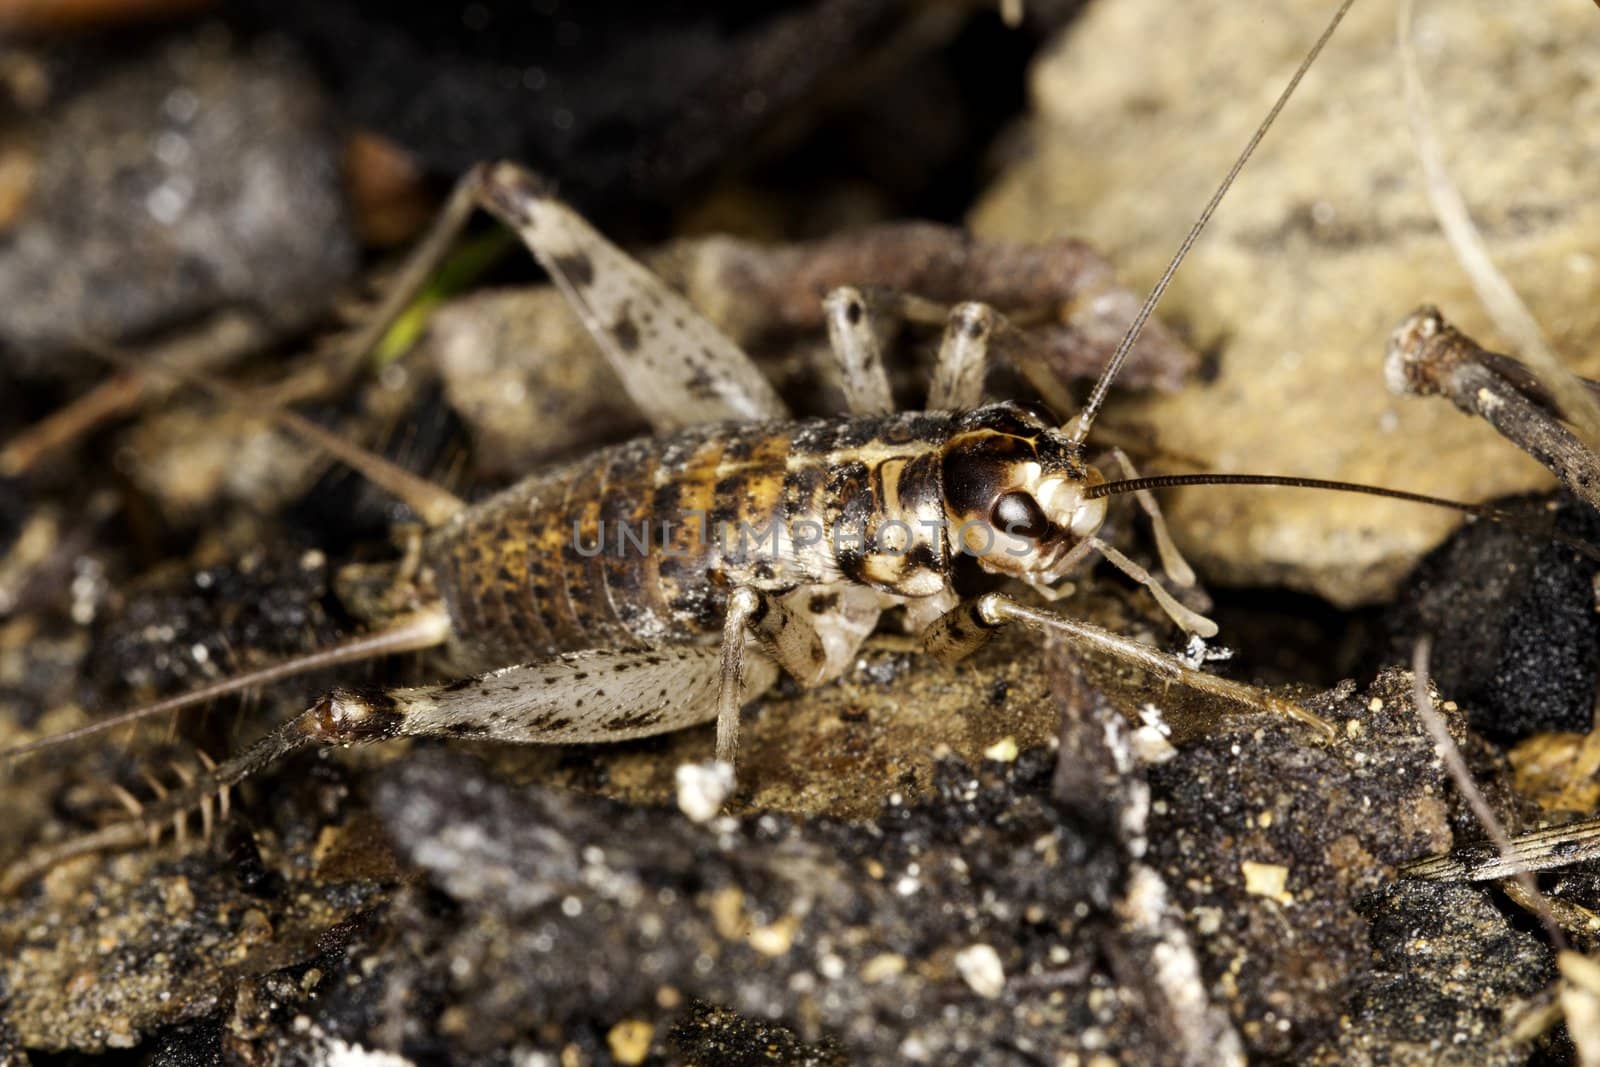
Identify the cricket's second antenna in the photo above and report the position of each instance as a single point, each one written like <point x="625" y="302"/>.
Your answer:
<point x="1098" y="397"/>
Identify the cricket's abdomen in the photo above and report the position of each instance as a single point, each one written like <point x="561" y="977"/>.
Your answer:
<point x="641" y="543"/>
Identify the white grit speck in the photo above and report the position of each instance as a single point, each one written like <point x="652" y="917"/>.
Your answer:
<point x="703" y="787"/>
<point x="981" y="969"/>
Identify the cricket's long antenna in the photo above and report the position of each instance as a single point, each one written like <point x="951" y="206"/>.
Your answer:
<point x="1098" y="397"/>
<point x="1509" y="519"/>
<point x="425" y="629"/>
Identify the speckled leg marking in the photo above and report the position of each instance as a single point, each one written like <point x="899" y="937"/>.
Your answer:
<point x="588" y="697"/>
<point x="678" y="368"/>
<point x="858" y="351"/>
<point x="962" y="631"/>
<point x="857" y="321"/>
<point x="580" y="697"/>
<point x="963" y="358"/>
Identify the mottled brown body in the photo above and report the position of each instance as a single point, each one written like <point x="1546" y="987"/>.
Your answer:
<point x="640" y="543"/>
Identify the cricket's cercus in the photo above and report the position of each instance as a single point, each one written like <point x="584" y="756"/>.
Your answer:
<point x="664" y="582"/>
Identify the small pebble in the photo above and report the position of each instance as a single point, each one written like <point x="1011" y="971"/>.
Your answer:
<point x="1002" y="751"/>
<point x="629" y="1040"/>
<point x="883" y="967"/>
<point x="1265" y="880"/>
<point x="981" y="969"/>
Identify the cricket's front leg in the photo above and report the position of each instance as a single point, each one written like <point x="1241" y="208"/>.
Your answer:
<point x="679" y="369"/>
<point x="1172" y="562"/>
<point x="966" y="628"/>
<point x="785" y="634"/>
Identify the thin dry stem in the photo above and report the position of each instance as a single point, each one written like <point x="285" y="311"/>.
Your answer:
<point x="432" y="503"/>
<point x="221" y="340"/>
<point x="1451" y="756"/>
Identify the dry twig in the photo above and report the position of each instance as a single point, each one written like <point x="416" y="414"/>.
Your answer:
<point x="1429" y="357"/>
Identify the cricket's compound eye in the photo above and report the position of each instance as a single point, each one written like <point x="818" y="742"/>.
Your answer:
<point x="1018" y="514"/>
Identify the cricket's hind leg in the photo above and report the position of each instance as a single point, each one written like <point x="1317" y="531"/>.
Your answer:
<point x="963" y="630"/>
<point x="677" y="367"/>
<point x="581" y="697"/>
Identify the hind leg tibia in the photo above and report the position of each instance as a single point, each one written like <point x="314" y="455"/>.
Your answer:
<point x="580" y="697"/>
<point x="677" y="367"/>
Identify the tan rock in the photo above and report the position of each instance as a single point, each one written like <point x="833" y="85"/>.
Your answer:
<point x="1325" y="243"/>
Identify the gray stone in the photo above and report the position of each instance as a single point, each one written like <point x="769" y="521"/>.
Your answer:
<point x="202" y="174"/>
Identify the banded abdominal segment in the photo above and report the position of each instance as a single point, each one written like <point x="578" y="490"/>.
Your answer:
<point x="641" y="543"/>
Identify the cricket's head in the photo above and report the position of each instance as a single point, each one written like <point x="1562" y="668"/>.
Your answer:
<point x="1014" y="489"/>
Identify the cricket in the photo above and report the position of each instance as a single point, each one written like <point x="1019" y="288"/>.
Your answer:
<point x="667" y="582"/>
<point x="777" y="544"/>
